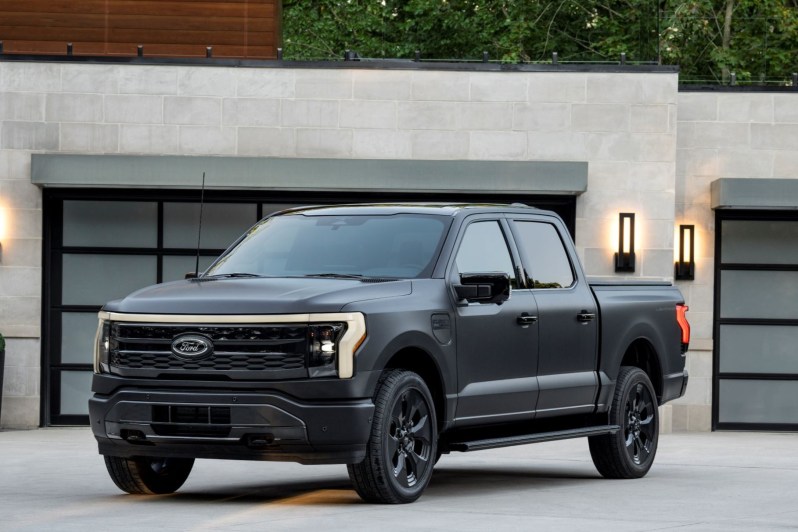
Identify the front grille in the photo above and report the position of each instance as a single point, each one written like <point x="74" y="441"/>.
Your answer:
<point x="239" y="351"/>
<point x="164" y="360"/>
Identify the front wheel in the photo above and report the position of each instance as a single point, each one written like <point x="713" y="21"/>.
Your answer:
<point x="402" y="447"/>
<point x="148" y="476"/>
<point x="630" y="452"/>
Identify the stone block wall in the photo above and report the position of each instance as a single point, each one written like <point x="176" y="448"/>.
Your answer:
<point x="20" y="284"/>
<point x="622" y="124"/>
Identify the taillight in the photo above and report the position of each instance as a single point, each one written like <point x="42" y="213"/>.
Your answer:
<point x="684" y="325"/>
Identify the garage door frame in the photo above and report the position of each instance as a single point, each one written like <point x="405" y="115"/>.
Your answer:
<point x="52" y="362"/>
<point x="722" y="215"/>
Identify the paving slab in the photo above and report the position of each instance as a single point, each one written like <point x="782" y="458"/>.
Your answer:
<point x="53" y="479"/>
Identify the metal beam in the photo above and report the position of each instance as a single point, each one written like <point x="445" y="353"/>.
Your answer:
<point x="372" y="175"/>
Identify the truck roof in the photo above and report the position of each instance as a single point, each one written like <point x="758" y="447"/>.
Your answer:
<point x="442" y="208"/>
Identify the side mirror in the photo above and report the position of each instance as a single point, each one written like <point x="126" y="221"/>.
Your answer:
<point x="191" y="275"/>
<point x="490" y="287"/>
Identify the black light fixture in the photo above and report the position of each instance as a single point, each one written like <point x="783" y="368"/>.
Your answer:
<point x="685" y="266"/>
<point x="625" y="257"/>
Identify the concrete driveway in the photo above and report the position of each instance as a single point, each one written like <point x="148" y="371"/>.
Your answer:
<point x="53" y="479"/>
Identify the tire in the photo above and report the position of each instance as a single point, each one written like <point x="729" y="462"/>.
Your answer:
<point x="630" y="452"/>
<point x="402" y="446"/>
<point x="148" y="476"/>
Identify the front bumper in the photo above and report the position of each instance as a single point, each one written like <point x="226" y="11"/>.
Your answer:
<point x="247" y="425"/>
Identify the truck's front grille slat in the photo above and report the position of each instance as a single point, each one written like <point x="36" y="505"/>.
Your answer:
<point x="217" y="332"/>
<point x="241" y="348"/>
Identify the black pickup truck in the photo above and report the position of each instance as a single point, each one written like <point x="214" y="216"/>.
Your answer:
<point x="382" y="336"/>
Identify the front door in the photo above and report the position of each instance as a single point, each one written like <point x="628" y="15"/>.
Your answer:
<point x="497" y="344"/>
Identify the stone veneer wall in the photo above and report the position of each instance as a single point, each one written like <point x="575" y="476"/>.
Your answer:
<point x="622" y="124"/>
<point x="722" y="135"/>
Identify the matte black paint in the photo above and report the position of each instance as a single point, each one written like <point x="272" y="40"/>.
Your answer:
<point x="498" y="374"/>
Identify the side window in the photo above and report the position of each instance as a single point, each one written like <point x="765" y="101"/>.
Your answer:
<point x="544" y="255"/>
<point x="484" y="249"/>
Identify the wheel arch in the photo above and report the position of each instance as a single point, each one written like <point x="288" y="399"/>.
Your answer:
<point x="642" y="354"/>
<point x="419" y="361"/>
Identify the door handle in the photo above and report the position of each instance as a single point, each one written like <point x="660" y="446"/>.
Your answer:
<point x="585" y="316"/>
<point x="526" y="319"/>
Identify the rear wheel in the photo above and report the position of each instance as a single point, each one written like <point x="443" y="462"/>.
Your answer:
<point x="402" y="447"/>
<point x="630" y="452"/>
<point x="148" y="476"/>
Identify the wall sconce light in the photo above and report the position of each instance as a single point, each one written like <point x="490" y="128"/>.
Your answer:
<point x="685" y="266"/>
<point x="625" y="258"/>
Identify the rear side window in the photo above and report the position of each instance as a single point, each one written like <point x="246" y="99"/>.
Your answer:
<point x="544" y="255"/>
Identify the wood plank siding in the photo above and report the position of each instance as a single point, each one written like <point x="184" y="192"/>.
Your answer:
<point x="166" y="28"/>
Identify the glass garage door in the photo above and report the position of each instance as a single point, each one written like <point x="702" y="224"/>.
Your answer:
<point x="756" y="333"/>
<point x="103" y="244"/>
<point x="104" y="249"/>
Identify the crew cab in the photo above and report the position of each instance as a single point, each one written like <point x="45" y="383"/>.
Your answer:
<point x="380" y="337"/>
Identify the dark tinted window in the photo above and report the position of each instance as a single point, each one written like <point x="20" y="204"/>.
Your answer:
<point x="483" y="249"/>
<point x="544" y="255"/>
<point x="401" y="245"/>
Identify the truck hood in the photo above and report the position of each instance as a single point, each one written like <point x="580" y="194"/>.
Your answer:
<point x="255" y="296"/>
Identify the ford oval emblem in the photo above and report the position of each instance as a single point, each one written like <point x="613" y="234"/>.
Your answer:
<point x="192" y="347"/>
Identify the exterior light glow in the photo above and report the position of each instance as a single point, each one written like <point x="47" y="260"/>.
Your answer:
<point x="3" y="227"/>
<point x="685" y="267"/>
<point x="625" y="257"/>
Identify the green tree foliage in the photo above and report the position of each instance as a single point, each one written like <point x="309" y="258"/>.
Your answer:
<point x="757" y="39"/>
<point x="761" y="41"/>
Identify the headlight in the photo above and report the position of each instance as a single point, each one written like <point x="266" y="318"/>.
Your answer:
<point x="102" y="344"/>
<point x="323" y="348"/>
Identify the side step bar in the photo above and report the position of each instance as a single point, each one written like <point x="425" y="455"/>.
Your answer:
<point x="493" y="443"/>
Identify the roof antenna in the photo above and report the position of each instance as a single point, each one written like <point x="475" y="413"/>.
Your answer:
<point x="199" y="231"/>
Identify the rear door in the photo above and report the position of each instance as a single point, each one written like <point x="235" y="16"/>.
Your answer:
<point x="567" y="318"/>
<point x="497" y="344"/>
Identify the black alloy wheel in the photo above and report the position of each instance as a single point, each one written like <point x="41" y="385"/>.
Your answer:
<point x="148" y="476"/>
<point x="640" y="426"/>
<point x="409" y="438"/>
<point x="630" y="452"/>
<point x="401" y="451"/>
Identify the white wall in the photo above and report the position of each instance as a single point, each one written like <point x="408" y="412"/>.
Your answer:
<point x="623" y="125"/>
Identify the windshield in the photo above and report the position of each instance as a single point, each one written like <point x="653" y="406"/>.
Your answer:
<point x="395" y="246"/>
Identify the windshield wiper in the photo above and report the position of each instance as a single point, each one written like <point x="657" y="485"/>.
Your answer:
<point x="230" y="275"/>
<point x="335" y="275"/>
